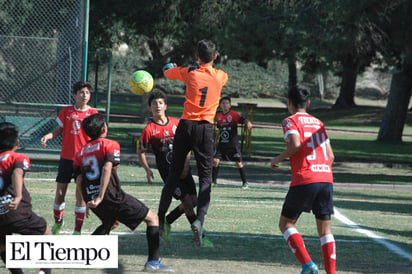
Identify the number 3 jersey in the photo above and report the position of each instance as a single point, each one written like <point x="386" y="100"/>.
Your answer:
<point x="9" y="161"/>
<point x="311" y="164"/>
<point x="89" y="162"/>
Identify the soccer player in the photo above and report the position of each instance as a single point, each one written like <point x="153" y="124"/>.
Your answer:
<point x="159" y="134"/>
<point x="95" y="167"/>
<point x="16" y="214"/>
<point x="311" y="188"/>
<point x="70" y="125"/>
<point x="195" y="130"/>
<point x="227" y="141"/>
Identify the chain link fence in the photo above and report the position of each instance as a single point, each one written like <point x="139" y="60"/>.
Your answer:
<point x="40" y="60"/>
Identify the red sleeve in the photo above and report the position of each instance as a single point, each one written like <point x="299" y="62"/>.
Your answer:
<point x="239" y="118"/>
<point x="112" y="152"/>
<point x="60" y="118"/>
<point x="23" y="162"/>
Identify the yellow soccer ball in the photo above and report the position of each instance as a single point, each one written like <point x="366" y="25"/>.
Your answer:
<point x="141" y="82"/>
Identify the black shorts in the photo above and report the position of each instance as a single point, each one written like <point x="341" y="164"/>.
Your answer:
<point x="130" y="213"/>
<point x="315" y="197"/>
<point x="184" y="187"/>
<point x="231" y="153"/>
<point x="65" y="172"/>
<point x="35" y="225"/>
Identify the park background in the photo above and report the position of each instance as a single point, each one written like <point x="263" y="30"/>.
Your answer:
<point x="354" y="55"/>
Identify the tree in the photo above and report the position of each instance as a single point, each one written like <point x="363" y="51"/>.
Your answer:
<point x="399" y="53"/>
<point x="347" y="40"/>
<point x="260" y="31"/>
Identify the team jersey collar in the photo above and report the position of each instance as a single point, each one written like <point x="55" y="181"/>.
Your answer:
<point x="81" y="110"/>
<point x="167" y="122"/>
<point x="205" y="65"/>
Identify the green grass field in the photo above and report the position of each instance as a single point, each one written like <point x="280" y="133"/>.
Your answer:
<point x="372" y="226"/>
<point x="243" y="226"/>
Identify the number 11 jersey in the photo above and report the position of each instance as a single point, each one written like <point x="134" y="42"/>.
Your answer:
<point x="311" y="164"/>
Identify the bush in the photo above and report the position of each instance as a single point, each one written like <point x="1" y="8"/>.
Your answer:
<point x="248" y="80"/>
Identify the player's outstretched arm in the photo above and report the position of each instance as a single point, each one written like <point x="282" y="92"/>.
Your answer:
<point x="57" y="132"/>
<point x="168" y="66"/>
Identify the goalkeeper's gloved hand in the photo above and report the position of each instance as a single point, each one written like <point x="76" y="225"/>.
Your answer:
<point x="168" y="66"/>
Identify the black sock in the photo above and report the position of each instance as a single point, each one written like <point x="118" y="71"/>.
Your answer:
<point x="215" y="171"/>
<point x="15" y="270"/>
<point x="101" y="230"/>
<point x="242" y="175"/>
<point x="152" y="236"/>
<point x="12" y="270"/>
<point x="174" y="215"/>
<point x="191" y="218"/>
<point x="165" y="200"/>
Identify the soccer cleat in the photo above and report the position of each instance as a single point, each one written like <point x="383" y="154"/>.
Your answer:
<point x="57" y="228"/>
<point x="309" y="268"/>
<point x="166" y="231"/>
<point x="207" y="243"/>
<point x="197" y="233"/>
<point x="77" y="233"/>
<point x="245" y="185"/>
<point x="156" y="266"/>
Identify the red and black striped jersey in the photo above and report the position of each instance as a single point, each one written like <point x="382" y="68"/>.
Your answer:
<point x="227" y="123"/>
<point x="9" y="161"/>
<point x="89" y="162"/>
<point x="160" y="138"/>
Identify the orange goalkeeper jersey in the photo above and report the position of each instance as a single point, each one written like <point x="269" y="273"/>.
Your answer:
<point x="203" y="88"/>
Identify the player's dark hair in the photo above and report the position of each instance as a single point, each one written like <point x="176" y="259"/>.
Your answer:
<point x="156" y="94"/>
<point x="81" y="84"/>
<point x="299" y="96"/>
<point x="93" y="125"/>
<point x="9" y="134"/>
<point x="206" y="50"/>
<point x="225" y="98"/>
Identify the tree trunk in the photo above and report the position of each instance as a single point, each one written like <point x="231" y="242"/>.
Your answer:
<point x="145" y="112"/>
<point x="293" y="74"/>
<point x="397" y="107"/>
<point x="348" y="84"/>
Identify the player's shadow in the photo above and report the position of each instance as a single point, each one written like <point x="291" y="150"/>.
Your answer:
<point x="263" y="249"/>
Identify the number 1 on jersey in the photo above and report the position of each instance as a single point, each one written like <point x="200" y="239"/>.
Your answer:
<point x="203" y="97"/>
